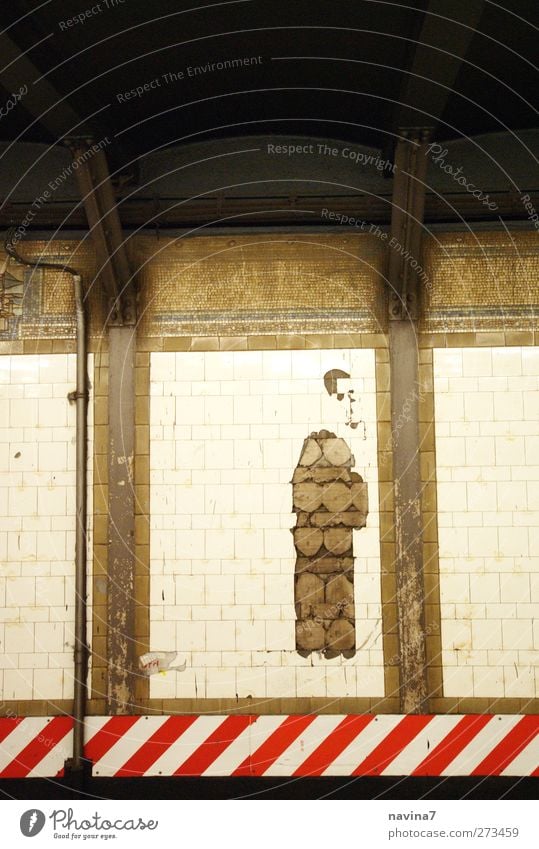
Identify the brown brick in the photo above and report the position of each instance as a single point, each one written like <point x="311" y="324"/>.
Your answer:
<point x="101" y="381"/>
<point x="432" y="340"/>
<point x="142" y="468"/>
<point x="101" y="410"/>
<point x="142" y="381"/>
<point x="385" y="465"/>
<point x="99" y="682"/>
<point x="435" y="684"/>
<point x="389" y="589"/>
<point x="506" y="706"/>
<point x="425" y="356"/>
<point x="383" y="406"/>
<point x="142" y="559"/>
<point x="430" y="527"/>
<point x="383" y="377"/>
<point x="432" y="619"/>
<point x="262" y="343"/>
<point x="490" y="338"/>
<point x="11" y="347"/>
<point x="389" y="617"/>
<point x="96" y="707"/>
<point x="427" y="461"/>
<point x="179" y="343"/>
<point x="101" y="499"/>
<point x="432" y="589"/>
<point x="101" y="526"/>
<point x="391" y="650"/>
<point x="142" y="589"/>
<point x="373" y="340"/>
<point x="347" y="340"/>
<point x="290" y="342"/>
<point x="385" y="489"/>
<point x="142" y="620"/>
<point x="232" y="343"/>
<point x="101" y="469"/>
<point x="204" y="343"/>
<point x="64" y="346"/>
<point x="426" y="408"/>
<point x="430" y="558"/>
<point x="142" y="530"/>
<point x="444" y="705"/>
<point x="320" y="340"/>
<point x="142" y="359"/>
<point x="519" y="337"/>
<point x="99" y="651"/>
<point x="474" y="705"/>
<point x="385" y="436"/>
<point x="152" y="343"/>
<point x="387" y="527"/>
<point x="392" y="682"/>
<point x="428" y="499"/>
<point x="99" y="590"/>
<point x="142" y="439"/>
<point x="387" y="553"/>
<point x="99" y="620"/>
<point x="100" y="560"/>
<point x="101" y="439"/>
<point x="426" y="436"/>
<point x="433" y="645"/>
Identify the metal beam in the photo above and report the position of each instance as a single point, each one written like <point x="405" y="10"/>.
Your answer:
<point x="404" y="304"/>
<point x="42" y="100"/>
<point x="103" y="218"/>
<point x="427" y="87"/>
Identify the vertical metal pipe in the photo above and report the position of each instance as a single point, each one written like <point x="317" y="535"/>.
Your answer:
<point x="81" y="647"/>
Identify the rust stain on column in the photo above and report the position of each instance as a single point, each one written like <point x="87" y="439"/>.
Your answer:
<point x="121" y="537"/>
<point x="408" y="529"/>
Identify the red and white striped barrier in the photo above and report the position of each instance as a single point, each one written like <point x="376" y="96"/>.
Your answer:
<point x="312" y="745"/>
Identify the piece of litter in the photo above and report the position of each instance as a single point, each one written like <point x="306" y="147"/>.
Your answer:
<point x="159" y="661"/>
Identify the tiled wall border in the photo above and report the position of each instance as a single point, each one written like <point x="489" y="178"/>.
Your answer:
<point x="390" y="702"/>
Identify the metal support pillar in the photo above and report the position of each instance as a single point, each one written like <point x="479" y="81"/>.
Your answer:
<point x="404" y="300"/>
<point x="121" y="526"/>
<point x="115" y="276"/>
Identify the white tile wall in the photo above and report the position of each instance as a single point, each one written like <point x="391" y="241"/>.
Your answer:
<point x="487" y="454"/>
<point x="37" y="524"/>
<point x="222" y="555"/>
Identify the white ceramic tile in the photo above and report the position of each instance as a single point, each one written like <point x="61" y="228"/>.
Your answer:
<point x="494" y="540"/>
<point x="248" y="436"/>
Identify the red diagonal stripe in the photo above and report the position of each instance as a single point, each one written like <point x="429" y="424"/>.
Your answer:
<point x="330" y="748"/>
<point x="49" y="736"/>
<point x="156" y="745"/>
<point x="216" y="743"/>
<point x="508" y="748"/>
<point x="452" y="745"/>
<point x="266" y="754"/>
<point x="104" y="739"/>
<point x="386" y="751"/>
<point x="8" y="725"/>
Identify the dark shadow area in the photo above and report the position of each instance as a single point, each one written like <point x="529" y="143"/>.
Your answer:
<point x="274" y="788"/>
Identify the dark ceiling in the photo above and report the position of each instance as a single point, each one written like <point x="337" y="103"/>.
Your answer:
<point x="352" y="69"/>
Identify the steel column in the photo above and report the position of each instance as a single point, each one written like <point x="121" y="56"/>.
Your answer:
<point x="121" y="534"/>
<point x="404" y="306"/>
